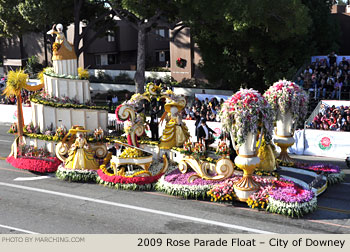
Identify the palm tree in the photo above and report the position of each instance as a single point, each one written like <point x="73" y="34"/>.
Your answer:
<point x="17" y="80"/>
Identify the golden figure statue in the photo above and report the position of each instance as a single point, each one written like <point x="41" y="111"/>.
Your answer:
<point x="267" y="158"/>
<point x="62" y="49"/>
<point x="80" y="156"/>
<point x="175" y="132"/>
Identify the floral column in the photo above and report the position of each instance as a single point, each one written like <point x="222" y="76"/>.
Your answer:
<point x="289" y="103"/>
<point x="246" y="115"/>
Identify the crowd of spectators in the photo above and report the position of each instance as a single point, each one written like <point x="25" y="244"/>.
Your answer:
<point x="332" y="118"/>
<point x="206" y="109"/>
<point x="327" y="79"/>
<point x="13" y="99"/>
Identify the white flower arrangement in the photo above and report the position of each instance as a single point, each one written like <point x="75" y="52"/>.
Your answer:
<point x="244" y="112"/>
<point x="186" y="191"/>
<point x="76" y="175"/>
<point x="287" y="96"/>
<point x="292" y="209"/>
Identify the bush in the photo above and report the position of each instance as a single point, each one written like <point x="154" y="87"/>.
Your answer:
<point x="123" y="78"/>
<point x="33" y="66"/>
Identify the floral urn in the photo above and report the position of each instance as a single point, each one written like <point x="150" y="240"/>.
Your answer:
<point x="247" y="116"/>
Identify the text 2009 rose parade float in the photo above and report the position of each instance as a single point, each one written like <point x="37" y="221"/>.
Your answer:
<point x="68" y="136"/>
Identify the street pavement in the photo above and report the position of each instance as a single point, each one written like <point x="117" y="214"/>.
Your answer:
<point x="34" y="203"/>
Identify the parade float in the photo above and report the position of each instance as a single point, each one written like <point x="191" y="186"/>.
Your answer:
<point x="135" y="168"/>
<point x="245" y="114"/>
<point x="66" y="136"/>
<point x="63" y="103"/>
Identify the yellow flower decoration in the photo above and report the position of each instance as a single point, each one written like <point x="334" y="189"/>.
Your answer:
<point x="16" y="81"/>
<point x="83" y="73"/>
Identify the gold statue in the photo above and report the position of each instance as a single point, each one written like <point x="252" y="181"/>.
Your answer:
<point x="175" y="132"/>
<point x="62" y="49"/>
<point x="80" y="156"/>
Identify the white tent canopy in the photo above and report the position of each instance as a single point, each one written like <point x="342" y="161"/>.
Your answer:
<point x="202" y="97"/>
<point x="336" y="103"/>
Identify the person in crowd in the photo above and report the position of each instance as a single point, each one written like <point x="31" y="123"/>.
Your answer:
<point x="154" y="124"/>
<point x="203" y="133"/>
<point x="114" y="101"/>
<point x="109" y="101"/>
<point x="300" y="81"/>
<point x="337" y="89"/>
<point x="332" y="58"/>
<point x="116" y="149"/>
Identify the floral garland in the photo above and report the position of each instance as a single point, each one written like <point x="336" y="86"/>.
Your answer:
<point x="244" y="112"/>
<point x="75" y="175"/>
<point x="49" y="71"/>
<point x="43" y="165"/>
<point x="47" y="100"/>
<point x="286" y="96"/>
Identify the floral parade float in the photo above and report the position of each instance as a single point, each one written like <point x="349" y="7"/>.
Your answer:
<point x="23" y="156"/>
<point x="113" y="172"/>
<point x="82" y="155"/>
<point x="289" y="103"/>
<point x="63" y="102"/>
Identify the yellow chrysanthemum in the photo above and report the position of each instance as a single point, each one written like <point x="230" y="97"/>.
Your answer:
<point x="16" y="81"/>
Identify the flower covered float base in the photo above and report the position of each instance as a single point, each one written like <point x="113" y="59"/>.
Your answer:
<point x="222" y="169"/>
<point x="80" y="163"/>
<point x="119" y="179"/>
<point x="177" y="184"/>
<point x="31" y="158"/>
<point x="76" y="175"/>
<point x="35" y="164"/>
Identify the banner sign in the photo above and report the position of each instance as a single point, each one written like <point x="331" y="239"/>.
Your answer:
<point x="327" y="143"/>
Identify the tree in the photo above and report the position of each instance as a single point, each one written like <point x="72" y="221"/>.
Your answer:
<point x="14" y="85"/>
<point x="145" y="15"/>
<point x="251" y="43"/>
<point x="18" y="17"/>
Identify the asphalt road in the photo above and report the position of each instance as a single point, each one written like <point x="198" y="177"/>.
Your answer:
<point x="48" y="205"/>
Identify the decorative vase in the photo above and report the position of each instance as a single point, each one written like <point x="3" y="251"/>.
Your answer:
<point x="284" y="135"/>
<point x="247" y="160"/>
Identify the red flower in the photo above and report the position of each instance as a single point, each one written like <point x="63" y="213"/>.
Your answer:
<point x="124" y="180"/>
<point x="325" y="141"/>
<point x="33" y="164"/>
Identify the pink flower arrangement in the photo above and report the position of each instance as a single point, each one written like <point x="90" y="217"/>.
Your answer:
<point x="285" y="96"/>
<point x="244" y="112"/>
